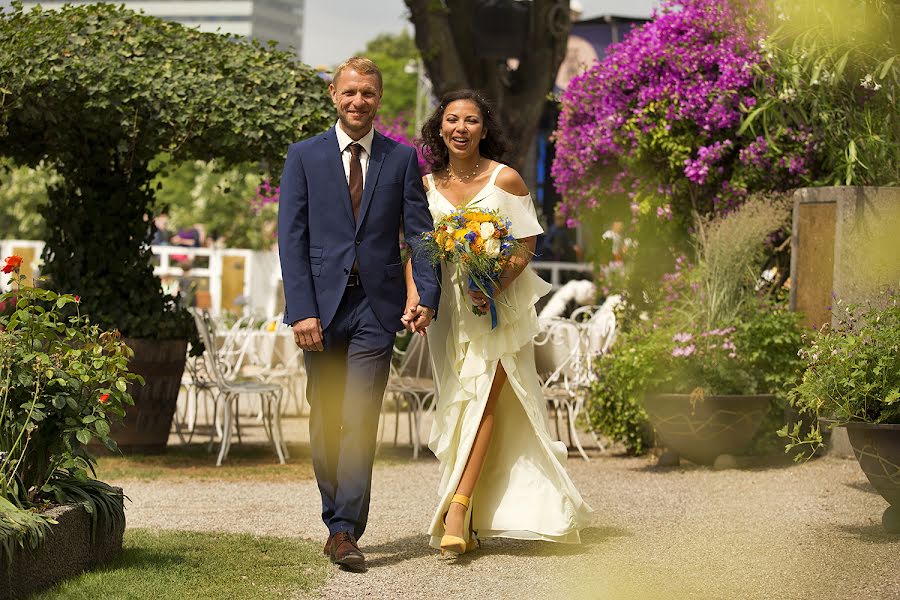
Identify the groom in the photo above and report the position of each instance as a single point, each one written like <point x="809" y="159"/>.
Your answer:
<point x="345" y="196"/>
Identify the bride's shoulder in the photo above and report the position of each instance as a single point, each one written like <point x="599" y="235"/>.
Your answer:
<point x="425" y="182"/>
<point x="509" y="180"/>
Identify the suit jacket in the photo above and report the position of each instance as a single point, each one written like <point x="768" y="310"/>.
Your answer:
<point x="318" y="239"/>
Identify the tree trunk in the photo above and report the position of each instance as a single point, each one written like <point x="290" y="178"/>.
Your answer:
<point x="444" y="38"/>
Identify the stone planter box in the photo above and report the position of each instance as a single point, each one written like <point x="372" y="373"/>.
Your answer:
<point x="703" y="430"/>
<point x="67" y="551"/>
<point x="877" y="448"/>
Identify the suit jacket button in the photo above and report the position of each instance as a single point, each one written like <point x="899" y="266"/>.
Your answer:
<point x="358" y="242"/>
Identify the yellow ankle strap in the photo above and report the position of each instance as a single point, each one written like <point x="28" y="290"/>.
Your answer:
<point x="460" y="499"/>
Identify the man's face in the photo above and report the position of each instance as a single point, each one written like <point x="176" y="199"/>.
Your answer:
<point x="356" y="98"/>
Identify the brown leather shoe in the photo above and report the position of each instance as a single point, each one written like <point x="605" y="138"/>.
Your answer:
<point x="327" y="549"/>
<point x="345" y="552"/>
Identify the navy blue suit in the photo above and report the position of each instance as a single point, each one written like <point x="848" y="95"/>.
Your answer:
<point x="319" y="241"/>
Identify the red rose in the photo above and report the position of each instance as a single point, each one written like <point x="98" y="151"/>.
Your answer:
<point x="77" y="298"/>
<point x="104" y="398"/>
<point x="12" y="263"/>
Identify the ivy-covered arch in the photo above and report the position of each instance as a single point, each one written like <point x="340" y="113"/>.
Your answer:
<point x="98" y="92"/>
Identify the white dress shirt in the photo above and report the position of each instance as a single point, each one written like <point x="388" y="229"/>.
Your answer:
<point x="344" y="142"/>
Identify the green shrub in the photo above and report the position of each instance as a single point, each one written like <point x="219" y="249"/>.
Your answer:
<point x="852" y="371"/>
<point x="62" y="381"/>
<point x="718" y="331"/>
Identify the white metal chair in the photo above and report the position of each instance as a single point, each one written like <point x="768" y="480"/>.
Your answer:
<point x="597" y="325"/>
<point x="197" y="384"/>
<point x="266" y="359"/>
<point x="230" y="389"/>
<point x="558" y="356"/>
<point x="411" y="380"/>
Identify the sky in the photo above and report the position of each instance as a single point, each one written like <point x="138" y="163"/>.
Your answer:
<point x="336" y="29"/>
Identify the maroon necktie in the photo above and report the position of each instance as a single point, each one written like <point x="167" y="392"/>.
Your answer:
<point x="356" y="179"/>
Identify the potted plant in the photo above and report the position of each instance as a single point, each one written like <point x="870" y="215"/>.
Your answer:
<point x="852" y="380"/>
<point x="707" y="367"/>
<point x="130" y="100"/>
<point x="63" y="382"/>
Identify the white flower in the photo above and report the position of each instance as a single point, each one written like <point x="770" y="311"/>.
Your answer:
<point x="492" y="246"/>
<point x="869" y="83"/>
<point x="788" y="94"/>
<point x="487" y="230"/>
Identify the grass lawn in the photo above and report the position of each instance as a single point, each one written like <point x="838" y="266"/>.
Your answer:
<point x="200" y="566"/>
<point x="244" y="462"/>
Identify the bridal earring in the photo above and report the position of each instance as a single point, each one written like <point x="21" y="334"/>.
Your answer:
<point x="451" y="544"/>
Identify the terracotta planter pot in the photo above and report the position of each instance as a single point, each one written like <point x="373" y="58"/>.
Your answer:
<point x="66" y="551"/>
<point x="877" y="448"/>
<point x="146" y="426"/>
<point x="703" y="430"/>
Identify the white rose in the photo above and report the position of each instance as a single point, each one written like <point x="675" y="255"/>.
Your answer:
<point x="487" y="230"/>
<point x="492" y="247"/>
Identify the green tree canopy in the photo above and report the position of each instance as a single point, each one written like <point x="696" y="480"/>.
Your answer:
<point x="97" y="92"/>
<point x="392" y="53"/>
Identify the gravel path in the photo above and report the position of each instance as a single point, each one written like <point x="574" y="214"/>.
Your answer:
<point x="805" y="531"/>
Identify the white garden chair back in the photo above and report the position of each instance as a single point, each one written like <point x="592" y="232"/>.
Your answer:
<point x="231" y="389"/>
<point x="411" y="380"/>
<point x="565" y="352"/>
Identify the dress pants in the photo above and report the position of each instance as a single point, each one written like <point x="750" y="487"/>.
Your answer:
<point x="345" y="390"/>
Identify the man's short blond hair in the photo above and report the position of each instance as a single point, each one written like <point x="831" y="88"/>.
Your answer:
<point x="361" y="65"/>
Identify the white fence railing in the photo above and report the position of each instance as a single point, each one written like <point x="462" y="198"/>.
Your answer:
<point x="236" y="280"/>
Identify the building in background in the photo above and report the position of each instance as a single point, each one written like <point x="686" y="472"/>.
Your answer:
<point x="280" y="21"/>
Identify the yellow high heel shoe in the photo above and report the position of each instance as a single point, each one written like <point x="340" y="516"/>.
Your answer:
<point x="456" y="545"/>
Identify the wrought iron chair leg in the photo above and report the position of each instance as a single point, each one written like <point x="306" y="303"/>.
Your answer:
<point x="226" y="429"/>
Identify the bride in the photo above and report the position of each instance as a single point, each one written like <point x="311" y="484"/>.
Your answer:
<point x="502" y="474"/>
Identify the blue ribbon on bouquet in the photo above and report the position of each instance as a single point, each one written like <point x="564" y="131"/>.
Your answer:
<point x="486" y="283"/>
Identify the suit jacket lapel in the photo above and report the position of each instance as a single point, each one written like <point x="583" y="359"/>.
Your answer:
<point x="375" y="161"/>
<point x="334" y="164"/>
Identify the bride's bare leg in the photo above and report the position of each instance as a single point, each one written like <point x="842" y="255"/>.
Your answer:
<point x="457" y="512"/>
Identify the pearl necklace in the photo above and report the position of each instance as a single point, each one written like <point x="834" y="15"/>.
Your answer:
<point x="464" y="177"/>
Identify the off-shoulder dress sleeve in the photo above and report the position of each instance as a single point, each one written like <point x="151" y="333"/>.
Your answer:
<point x="520" y="211"/>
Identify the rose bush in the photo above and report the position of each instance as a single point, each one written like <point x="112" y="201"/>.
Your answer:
<point x="62" y="382"/>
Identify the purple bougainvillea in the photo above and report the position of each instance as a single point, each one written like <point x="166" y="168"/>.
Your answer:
<point x="657" y="118"/>
<point x="398" y="130"/>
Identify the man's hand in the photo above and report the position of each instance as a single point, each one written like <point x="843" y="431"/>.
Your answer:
<point x="308" y="334"/>
<point x="424" y="316"/>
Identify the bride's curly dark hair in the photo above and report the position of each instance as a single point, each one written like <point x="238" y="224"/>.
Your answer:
<point x="494" y="145"/>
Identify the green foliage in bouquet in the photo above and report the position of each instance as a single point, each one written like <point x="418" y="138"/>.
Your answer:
<point x="718" y="332"/>
<point x="97" y="92"/>
<point x="852" y="371"/>
<point x="62" y="381"/>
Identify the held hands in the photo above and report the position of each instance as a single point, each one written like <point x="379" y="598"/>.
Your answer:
<point x="308" y="334"/>
<point x="416" y="318"/>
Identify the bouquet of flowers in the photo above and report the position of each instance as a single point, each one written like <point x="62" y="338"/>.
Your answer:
<point x="478" y="241"/>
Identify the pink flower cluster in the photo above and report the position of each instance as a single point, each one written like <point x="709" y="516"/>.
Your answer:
<point x="708" y="157"/>
<point x="397" y="129"/>
<point x="709" y="344"/>
<point x="266" y="195"/>
<point x="685" y="73"/>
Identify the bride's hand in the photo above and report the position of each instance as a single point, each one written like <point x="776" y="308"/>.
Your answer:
<point x="479" y="299"/>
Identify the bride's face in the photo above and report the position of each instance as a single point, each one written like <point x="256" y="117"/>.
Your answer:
<point x="462" y="128"/>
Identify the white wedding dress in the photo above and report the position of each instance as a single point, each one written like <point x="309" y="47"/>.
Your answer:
<point x="523" y="491"/>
